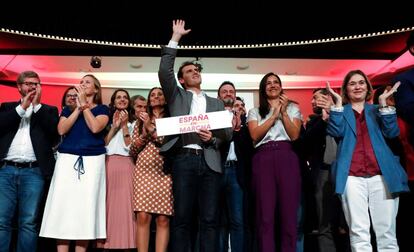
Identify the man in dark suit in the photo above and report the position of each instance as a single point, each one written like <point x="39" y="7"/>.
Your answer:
<point x="404" y="103"/>
<point x="320" y="150"/>
<point x="196" y="165"/>
<point x="236" y="159"/>
<point x="28" y="130"/>
<point x="404" y="97"/>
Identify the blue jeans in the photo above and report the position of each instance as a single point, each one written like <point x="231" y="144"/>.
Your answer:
<point x="194" y="183"/>
<point x="300" y="239"/>
<point x="235" y="215"/>
<point x="20" y="189"/>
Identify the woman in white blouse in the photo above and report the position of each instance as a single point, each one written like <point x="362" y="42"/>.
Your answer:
<point x="275" y="170"/>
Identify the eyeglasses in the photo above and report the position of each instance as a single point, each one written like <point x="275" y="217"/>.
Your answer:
<point x="71" y="95"/>
<point x="353" y="83"/>
<point x="28" y="83"/>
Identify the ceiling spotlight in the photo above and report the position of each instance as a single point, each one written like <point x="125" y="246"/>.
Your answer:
<point x="242" y="67"/>
<point x="96" y="61"/>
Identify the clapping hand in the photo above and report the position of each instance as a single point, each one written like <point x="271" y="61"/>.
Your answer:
<point x="382" y="99"/>
<point x="145" y="119"/>
<point x="338" y="98"/>
<point x="325" y="102"/>
<point x="116" y="120"/>
<point x="81" y="95"/>
<point x="38" y="94"/>
<point x="284" y="101"/>
<point x="27" y="99"/>
<point x="236" y="122"/>
<point x="123" y="117"/>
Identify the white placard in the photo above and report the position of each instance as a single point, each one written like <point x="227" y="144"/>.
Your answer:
<point x="193" y="123"/>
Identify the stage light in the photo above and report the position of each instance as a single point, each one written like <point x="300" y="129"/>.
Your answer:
<point x="96" y="61"/>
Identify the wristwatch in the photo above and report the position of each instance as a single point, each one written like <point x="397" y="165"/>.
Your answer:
<point x="213" y="140"/>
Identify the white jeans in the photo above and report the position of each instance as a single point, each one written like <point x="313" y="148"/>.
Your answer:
<point x="365" y="197"/>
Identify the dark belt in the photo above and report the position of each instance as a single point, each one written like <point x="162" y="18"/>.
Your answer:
<point x="369" y="175"/>
<point x="230" y="163"/>
<point x="197" y="152"/>
<point x="21" y="165"/>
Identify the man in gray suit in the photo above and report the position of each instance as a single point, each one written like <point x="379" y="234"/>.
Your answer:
<point x="196" y="162"/>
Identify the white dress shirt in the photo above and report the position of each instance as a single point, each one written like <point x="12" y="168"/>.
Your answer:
<point x="21" y="148"/>
<point x="198" y="106"/>
<point x="232" y="153"/>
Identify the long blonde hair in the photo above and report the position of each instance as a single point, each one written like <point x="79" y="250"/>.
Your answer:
<point x="97" y="99"/>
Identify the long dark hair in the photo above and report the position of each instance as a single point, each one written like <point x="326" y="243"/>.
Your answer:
<point x="263" y="103"/>
<point x="112" y="107"/>
<point x="63" y="102"/>
<point x="149" y="107"/>
<point x="150" y="111"/>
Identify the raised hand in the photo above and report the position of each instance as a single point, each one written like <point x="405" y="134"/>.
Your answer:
<point x="243" y="110"/>
<point x="38" y="94"/>
<point x="179" y="30"/>
<point x="27" y="99"/>
<point x="123" y="117"/>
<point x="334" y="94"/>
<point x="81" y="95"/>
<point x="116" y="123"/>
<point x="276" y="112"/>
<point x="236" y="122"/>
<point x="382" y="99"/>
<point x="284" y="100"/>
<point x="145" y="119"/>
<point x="325" y="102"/>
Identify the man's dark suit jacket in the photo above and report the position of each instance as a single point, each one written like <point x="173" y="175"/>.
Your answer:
<point x="243" y="146"/>
<point x="43" y="133"/>
<point x="404" y="100"/>
<point x="315" y="140"/>
<point x="179" y="103"/>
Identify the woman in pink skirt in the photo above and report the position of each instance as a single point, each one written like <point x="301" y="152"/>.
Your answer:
<point x="120" y="219"/>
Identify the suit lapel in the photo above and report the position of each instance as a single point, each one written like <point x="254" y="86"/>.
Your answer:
<point x="15" y="104"/>
<point x="350" y="117"/>
<point x="209" y="104"/>
<point x="369" y="117"/>
<point x="188" y="101"/>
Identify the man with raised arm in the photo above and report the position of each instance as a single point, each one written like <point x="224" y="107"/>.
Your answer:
<point x="196" y="162"/>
